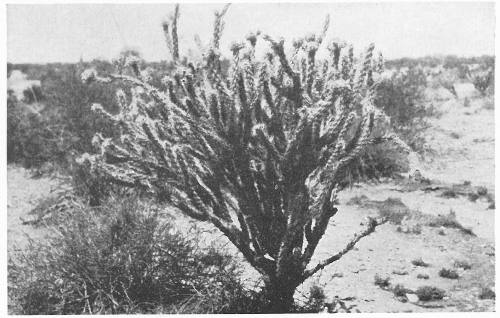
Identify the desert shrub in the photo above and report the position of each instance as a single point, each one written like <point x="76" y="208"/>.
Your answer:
<point x="462" y="264"/>
<point x="315" y="302"/>
<point x="449" y="221"/>
<point x="419" y="262"/>
<point x="123" y="258"/>
<point x="422" y="276"/>
<point x="61" y="124"/>
<point x="33" y="94"/>
<point x="427" y="293"/>
<point x="449" y="193"/>
<point x="486" y="293"/>
<point x="393" y="210"/>
<point x="448" y="273"/>
<point x="382" y="282"/>
<point x="31" y="136"/>
<point x="400" y="291"/>
<point x="71" y="100"/>
<point x="401" y="97"/>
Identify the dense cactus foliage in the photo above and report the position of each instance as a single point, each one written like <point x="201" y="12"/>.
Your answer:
<point x="259" y="150"/>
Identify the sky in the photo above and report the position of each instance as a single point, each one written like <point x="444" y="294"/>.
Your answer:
<point x="66" y="33"/>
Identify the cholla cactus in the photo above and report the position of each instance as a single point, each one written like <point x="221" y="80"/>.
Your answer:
<point x="258" y="152"/>
<point x="481" y="80"/>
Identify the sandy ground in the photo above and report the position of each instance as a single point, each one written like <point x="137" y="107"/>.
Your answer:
<point x="23" y="194"/>
<point x="463" y="138"/>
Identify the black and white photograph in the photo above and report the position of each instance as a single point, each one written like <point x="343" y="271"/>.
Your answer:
<point x="248" y="157"/>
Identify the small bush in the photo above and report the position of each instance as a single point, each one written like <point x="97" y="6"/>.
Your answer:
<point x="394" y="210"/>
<point x="482" y="191"/>
<point x="427" y="293"/>
<point x="316" y="301"/>
<point x="450" y="193"/>
<point x="423" y="276"/>
<point x="33" y="94"/>
<point x="449" y="221"/>
<point x="382" y="282"/>
<point x="448" y="273"/>
<point x="473" y="197"/>
<point x="462" y="264"/>
<point x="62" y="122"/>
<point x="400" y="291"/>
<point x="401" y="97"/>
<point x="487" y="293"/>
<point x="420" y="262"/>
<point x="123" y="258"/>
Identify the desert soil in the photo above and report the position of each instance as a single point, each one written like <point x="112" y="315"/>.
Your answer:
<point x="463" y="138"/>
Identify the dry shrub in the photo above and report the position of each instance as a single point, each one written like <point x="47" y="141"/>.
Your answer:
<point x="420" y="262"/>
<point x="449" y="221"/>
<point x="123" y="258"/>
<point x="448" y="273"/>
<point x="401" y="97"/>
<point x="487" y="293"/>
<point x="382" y="282"/>
<point x="427" y="293"/>
<point x="462" y="264"/>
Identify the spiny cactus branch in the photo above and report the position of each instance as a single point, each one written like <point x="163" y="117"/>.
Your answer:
<point x="372" y="225"/>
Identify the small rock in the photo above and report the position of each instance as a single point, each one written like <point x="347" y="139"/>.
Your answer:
<point x="412" y="298"/>
<point x="400" y="272"/>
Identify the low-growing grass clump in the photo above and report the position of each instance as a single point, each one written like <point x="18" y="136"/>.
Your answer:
<point x="315" y="302"/>
<point x="448" y="273"/>
<point x="400" y="291"/>
<point x="428" y="293"/>
<point x="423" y="276"/>
<point x="382" y="282"/>
<point x="487" y="293"/>
<point x="410" y="229"/>
<point x="121" y="259"/>
<point x="462" y="264"/>
<point x="420" y="262"/>
<point x="449" y="221"/>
